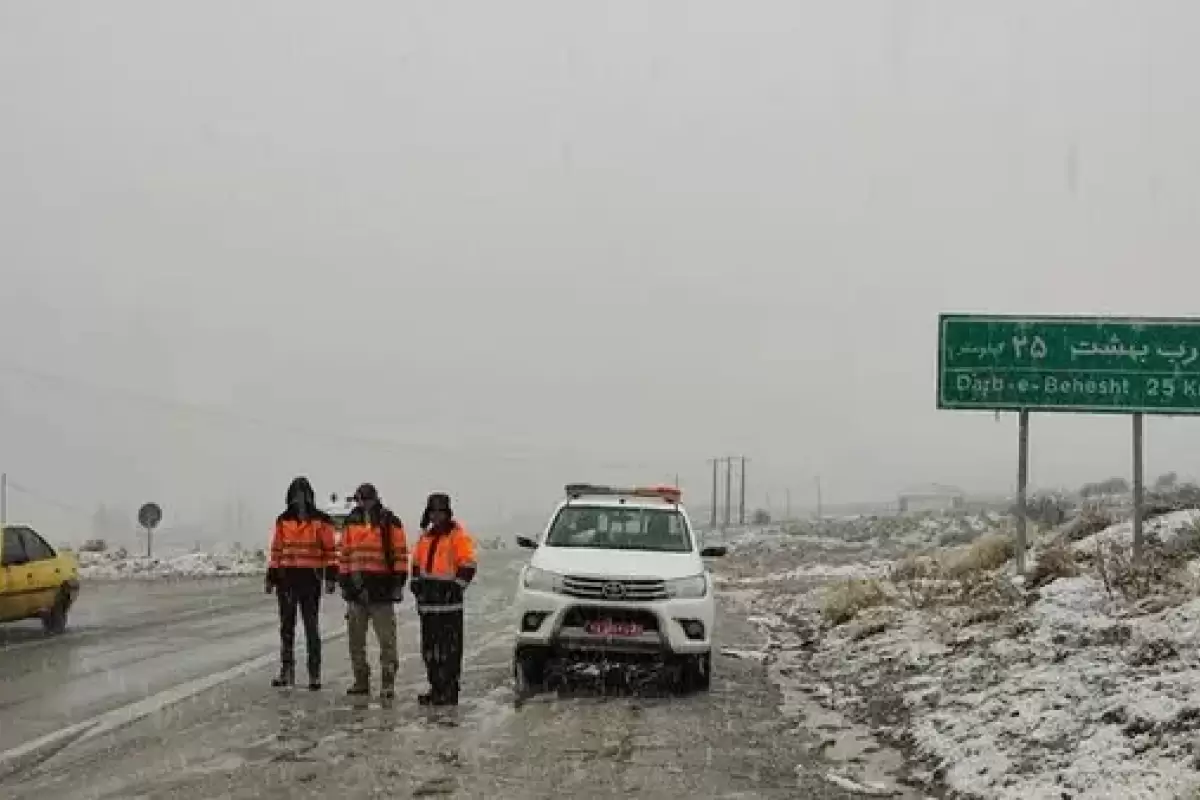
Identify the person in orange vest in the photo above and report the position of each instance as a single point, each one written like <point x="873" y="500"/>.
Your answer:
<point x="302" y="557"/>
<point x="374" y="567"/>
<point x="443" y="565"/>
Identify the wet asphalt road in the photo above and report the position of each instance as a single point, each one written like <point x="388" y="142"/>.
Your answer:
<point x="162" y="691"/>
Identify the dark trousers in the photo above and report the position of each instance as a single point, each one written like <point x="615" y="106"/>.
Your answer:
<point x="309" y="603"/>
<point x="442" y="650"/>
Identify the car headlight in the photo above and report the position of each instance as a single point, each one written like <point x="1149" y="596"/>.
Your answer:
<point x="540" y="580"/>
<point x="688" y="588"/>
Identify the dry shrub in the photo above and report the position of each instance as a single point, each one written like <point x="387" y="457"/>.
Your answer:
<point x="1184" y="545"/>
<point x="986" y="554"/>
<point x="1093" y="520"/>
<point x="913" y="568"/>
<point x="1055" y="561"/>
<point x="1157" y="573"/>
<point x="844" y="600"/>
<point x="921" y="579"/>
<point x="967" y="577"/>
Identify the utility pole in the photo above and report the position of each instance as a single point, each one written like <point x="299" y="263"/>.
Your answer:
<point x="728" y="490"/>
<point x="742" y="500"/>
<point x="713" y="515"/>
<point x="3" y="499"/>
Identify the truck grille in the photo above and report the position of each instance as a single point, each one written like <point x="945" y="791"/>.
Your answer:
<point x="630" y="590"/>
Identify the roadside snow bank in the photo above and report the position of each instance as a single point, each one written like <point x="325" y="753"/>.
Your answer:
<point x="1166" y="527"/>
<point x="111" y="566"/>
<point x="892" y="534"/>
<point x="872" y="569"/>
<point x="1077" y="700"/>
<point x="1069" y="691"/>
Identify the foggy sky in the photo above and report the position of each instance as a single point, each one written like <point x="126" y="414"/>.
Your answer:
<point x="494" y="247"/>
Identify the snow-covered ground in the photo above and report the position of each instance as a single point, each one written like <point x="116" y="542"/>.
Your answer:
<point x="997" y="690"/>
<point x="119" y="566"/>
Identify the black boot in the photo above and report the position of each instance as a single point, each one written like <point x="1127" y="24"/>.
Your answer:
<point x="362" y="684"/>
<point x="314" y="679"/>
<point x="286" y="677"/>
<point x="425" y="699"/>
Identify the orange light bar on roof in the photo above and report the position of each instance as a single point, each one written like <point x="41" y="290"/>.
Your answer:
<point x="669" y="493"/>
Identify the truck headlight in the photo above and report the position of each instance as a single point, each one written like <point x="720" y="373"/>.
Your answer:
<point x="688" y="588"/>
<point x="540" y="580"/>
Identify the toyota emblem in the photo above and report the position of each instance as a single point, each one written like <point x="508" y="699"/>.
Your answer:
<point x="614" y="591"/>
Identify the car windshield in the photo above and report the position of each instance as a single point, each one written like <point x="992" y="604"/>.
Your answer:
<point x="660" y="530"/>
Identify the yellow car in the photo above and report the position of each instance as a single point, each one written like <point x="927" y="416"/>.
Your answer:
<point x="35" y="579"/>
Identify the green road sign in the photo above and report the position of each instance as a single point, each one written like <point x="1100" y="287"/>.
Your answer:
<point x="1083" y="364"/>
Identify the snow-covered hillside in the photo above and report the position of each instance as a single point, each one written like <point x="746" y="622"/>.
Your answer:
<point x="1081" y="681"/>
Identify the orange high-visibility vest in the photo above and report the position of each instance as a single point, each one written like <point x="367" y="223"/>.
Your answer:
<point x="302" y="544"/>
<point x="362" y="549"/>
<point x="443" y="563"/>
<point x="441" y="556"/>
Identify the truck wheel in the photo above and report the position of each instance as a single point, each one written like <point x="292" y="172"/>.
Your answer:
<point x="529" y="670"/>
<point x="696" y="673"/>
<point x="54" y="621"/>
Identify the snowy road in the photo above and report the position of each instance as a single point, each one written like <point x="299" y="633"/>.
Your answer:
<point x="161" y="691"/>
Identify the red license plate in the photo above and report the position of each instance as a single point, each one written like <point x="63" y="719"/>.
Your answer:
<point x="605" y="627"/>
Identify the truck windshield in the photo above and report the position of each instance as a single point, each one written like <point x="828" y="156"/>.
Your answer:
<point x="662" y="530"/>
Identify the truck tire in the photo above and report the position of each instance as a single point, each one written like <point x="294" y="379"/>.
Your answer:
<point x="696" y="673"/>
<point x="529" y="669"/>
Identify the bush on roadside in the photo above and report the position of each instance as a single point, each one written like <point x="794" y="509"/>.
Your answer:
<point x="964" y="577"/>
<point x="1051" y="509"/>
<point x="920" y="579"/>
<point x="987" y="553"/>
<point x="1091" y="521"/>
<point x="1055" y="561"/>
<point x="958" y="538"/>
<point x="1159" y="572"/>
<point x="844" y="600"/>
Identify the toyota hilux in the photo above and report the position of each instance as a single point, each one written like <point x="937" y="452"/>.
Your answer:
<point x="617" y="573"/>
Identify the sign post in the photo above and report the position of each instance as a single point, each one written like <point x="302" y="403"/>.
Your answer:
<point x="1139" y="493"/>
<point x="149" y="515"/>
<point x="1022" y="485"/>
<point x="1087" y="365"/>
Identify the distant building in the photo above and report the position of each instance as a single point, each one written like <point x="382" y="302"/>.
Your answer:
<point x="931" y="497"/>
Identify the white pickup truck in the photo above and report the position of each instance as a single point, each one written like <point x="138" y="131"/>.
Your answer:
<point x="618" y="572"/>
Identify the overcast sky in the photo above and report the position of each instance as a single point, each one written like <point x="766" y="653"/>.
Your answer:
<point x="493" y="247"/>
